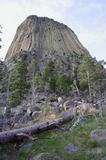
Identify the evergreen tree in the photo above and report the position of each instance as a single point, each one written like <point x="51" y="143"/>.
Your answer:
<point x="33" y="69"/>
<point x="39" y="81"/>
<point x="63" y="83"/>
<point x="49" y="71"/>
<point x="100" y="78"/>
<point x="52" y="83"/>
<point x="90" y="72"/>
<point x="58" y="82"/>
<point x="18" y="84"/>
<point x="86" y="72"/>
<point x="50" y="76"/>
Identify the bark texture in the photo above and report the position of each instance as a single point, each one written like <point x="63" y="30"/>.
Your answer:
<point x="22" y="133"/>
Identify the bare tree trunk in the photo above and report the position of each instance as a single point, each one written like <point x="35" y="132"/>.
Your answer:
<point x="33" y="85"/>
<point x="8" y="85"/>
<point x="89" y="85"/>
<point x="75" y="84"/>
<point x="33" y="70"/>
<point x="22" y="133"/>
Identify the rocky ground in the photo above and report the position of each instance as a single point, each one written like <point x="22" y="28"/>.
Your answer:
<point x="31" y="112"/>
<point x="78" y="144"/>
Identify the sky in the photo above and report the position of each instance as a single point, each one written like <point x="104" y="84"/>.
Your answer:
<point x="86" y="17"/>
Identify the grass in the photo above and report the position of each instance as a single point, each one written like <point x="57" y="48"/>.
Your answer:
<point x="54" y="141"/>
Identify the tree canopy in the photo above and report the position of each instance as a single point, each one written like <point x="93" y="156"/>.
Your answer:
<point x="90" y="72"/>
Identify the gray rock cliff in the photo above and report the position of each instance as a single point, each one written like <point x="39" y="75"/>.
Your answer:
<point x="48" y="38"/>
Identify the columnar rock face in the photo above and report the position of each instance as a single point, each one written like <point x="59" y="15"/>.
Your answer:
<point x="45" y="36"/>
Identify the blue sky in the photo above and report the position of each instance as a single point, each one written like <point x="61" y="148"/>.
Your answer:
<point x="86" y="17"/>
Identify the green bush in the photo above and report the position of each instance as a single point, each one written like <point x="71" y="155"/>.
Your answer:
<point x="93" y="144"/>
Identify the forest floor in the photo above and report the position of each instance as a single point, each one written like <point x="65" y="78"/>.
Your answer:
<point x="55" y="142"/>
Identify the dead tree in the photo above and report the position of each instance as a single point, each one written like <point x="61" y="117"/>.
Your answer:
<point x="85" y="109"/>
<point x="23" y="133"/>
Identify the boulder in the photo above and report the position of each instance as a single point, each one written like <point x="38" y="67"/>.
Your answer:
<point x="103" y="158"/>
<point x="99" y="135"/>
<point x="68" y="104"/>
<point x="70" y="148"/>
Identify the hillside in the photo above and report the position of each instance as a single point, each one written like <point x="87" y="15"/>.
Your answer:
<point x="49" y="78"/>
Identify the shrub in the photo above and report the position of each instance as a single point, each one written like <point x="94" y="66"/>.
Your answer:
<point x="92" y="144"/>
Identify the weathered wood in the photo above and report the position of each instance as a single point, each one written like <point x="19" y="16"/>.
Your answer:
<point x="14" y="135"/>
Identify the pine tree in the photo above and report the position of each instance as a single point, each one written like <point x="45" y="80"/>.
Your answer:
<point x="63" y="83"/>
<point x="50" y="76"/>
<point x="18" y="84"/>
<point x="86" y="72"/>
<point x="100" y="78"/>
<point x="39" y="82"/>
<point x="49" y="70"/>
<point x="90" y="72"/>
<point x="33" y="70"/>
<point x="52" y="83"/>
<point x="55" y="81"/>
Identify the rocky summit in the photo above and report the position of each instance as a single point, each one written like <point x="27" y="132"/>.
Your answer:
<point x="48" y="39"/>
<point x="46" y="36"/>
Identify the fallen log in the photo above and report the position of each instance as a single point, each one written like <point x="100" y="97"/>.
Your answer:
<point x="26" y="136"/>
<point x="22" y="133"/>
